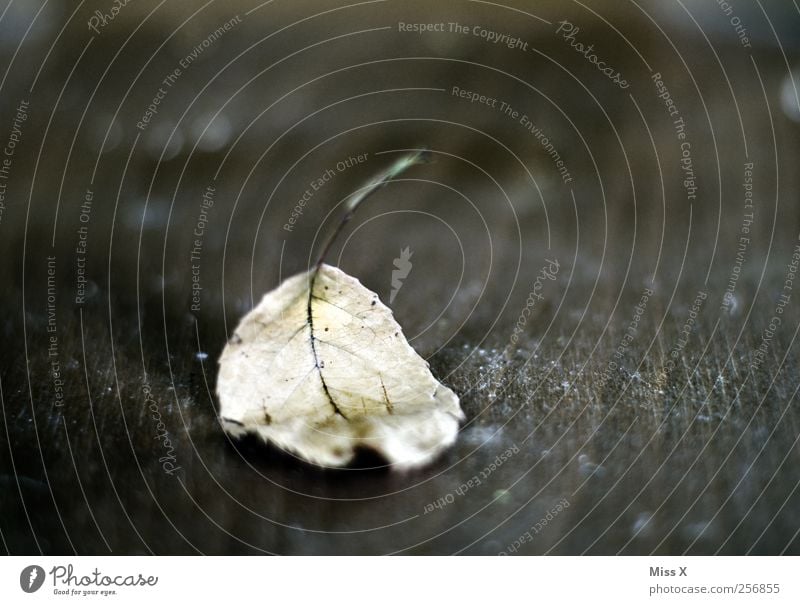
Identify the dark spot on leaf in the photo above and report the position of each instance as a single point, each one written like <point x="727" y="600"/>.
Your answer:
<point x="373" y="303"/>
<point x="326" y="329"/>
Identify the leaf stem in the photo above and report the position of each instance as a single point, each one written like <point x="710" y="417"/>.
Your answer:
<point x="421" y="156"/>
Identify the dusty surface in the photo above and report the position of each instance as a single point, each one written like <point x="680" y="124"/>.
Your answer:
<point x="601" y="423"/>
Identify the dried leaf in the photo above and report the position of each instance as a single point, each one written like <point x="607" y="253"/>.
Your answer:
<point x="320" y="367"/>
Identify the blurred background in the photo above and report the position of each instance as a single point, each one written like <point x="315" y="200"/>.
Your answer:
<point x="166" y="163"/>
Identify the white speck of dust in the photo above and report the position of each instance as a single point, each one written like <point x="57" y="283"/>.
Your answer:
<point x="589" y="468"/>
<point x="641" y="525"/>
<point x="699" y="529"/>
<point x="789" y="96"/>
<point x="501" y="495"/>
<point x="211" y="134"/>
<point x="483" y="434"/>
<point x="733" y="304"/>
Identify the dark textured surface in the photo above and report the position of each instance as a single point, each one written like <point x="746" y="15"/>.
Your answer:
<point x="698" y="455"/>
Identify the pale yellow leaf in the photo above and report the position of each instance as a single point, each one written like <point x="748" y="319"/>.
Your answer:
<point x="320" y="367"/>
